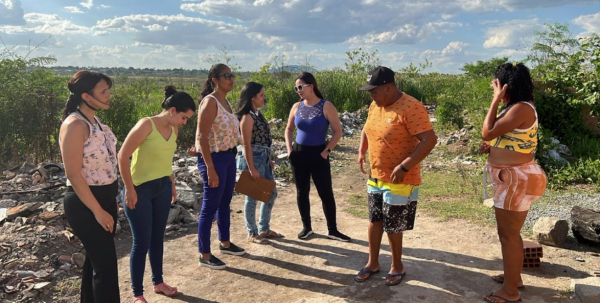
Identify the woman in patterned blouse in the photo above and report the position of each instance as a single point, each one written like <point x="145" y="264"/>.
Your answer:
<point x="88" y="150"/>
<point x="256" y="159"/>
<point x="217" y="135"/>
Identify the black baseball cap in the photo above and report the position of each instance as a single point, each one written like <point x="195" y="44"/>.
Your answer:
<point x="378" y="76"/>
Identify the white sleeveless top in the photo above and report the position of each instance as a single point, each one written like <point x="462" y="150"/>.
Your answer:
<point x="99" y="154"/>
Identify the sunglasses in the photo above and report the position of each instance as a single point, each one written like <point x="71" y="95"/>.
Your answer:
<point x="228" y="76"/>
<point x="300" y="87"/>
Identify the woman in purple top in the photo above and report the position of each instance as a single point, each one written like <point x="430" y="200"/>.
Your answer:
<point x="309" y="154"/>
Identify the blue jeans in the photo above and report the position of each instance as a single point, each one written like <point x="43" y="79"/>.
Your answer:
<point x="260" y="155"/>
<point x="216" y="200"/>
<point x="148" y="222"/>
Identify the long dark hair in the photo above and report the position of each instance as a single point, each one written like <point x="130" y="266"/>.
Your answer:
<point x="181" y="101"/>
<point x="250" y="90"/>
<point x="308" y="78"/>
<point x="518" y="78"/>
<point x="82" y="82"/>
<point x="209" y="86"/>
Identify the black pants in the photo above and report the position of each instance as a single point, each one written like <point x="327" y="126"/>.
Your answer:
<point x="100" y="281"/>
<point x="306" y="161"/>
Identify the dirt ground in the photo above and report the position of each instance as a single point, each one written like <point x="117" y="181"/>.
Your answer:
<point x="445" y="261"/>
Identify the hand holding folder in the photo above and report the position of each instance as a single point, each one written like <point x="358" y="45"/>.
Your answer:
<point x="260" y="189"/>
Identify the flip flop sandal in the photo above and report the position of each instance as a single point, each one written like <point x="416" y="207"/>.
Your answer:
<point x="391" y="276"/>
<point x="139" y="300"/>
<point x="362" y="272"/>
<point x="492" y="298"/>
<point x="500" y="280"/>
<point x="273" y="234"/>
<point x="159" y="289"/>
<point x="258" y="240"/>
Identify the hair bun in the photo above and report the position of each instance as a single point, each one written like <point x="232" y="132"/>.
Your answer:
<point x="169" y="91"/>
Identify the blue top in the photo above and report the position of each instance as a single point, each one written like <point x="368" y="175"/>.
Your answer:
<point x="311" y="123"/>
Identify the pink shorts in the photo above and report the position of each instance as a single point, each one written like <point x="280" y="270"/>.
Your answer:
<point x="516" y="187"/>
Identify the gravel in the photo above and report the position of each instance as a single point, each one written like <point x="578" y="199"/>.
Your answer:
<point x="560" y="207"/>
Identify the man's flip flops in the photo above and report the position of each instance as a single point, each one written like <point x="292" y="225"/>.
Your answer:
<point x="492" y="298"/>
<point x="391" y="276"/>
<point x="362" y="272"/>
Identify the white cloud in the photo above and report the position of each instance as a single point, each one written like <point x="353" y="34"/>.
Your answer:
<point x="520" y="4"/>
<point x="591" y="23"/>
<point x="73" y="9"/>
<point x="11" y="12"/>
<point x="336" y="21"/>
<point x="46" y="24"/>
<point x="180" y="30"/>
<point x="87" y="4"/>
<point x="509" y="34"/>
<point x="103" y="6"/>
<point x="483" y="6"/>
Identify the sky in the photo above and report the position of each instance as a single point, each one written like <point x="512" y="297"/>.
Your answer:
<point x="191" y="34"/>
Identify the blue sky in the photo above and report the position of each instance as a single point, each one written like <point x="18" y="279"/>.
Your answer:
<point x="188" y="33"/>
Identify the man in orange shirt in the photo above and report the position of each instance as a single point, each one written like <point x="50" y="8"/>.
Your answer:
<point x="398" y="136"/>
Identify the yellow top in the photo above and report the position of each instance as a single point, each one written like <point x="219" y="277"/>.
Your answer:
<point x="152" y="159"/>
<point x="520" y="140"/>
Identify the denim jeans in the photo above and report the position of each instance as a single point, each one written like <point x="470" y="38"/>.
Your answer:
<point x="148" y="222"/>
<point x="216" y="200"/>
<point x="262" y="163"/>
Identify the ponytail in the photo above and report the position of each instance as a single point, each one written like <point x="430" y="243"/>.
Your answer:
<point x="169" y="91"/>
<point x="71" y="105"/>
<point x="207" y="89"/>
<point x="181" y="101"/>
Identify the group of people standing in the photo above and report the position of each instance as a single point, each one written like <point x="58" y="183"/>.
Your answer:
<point x="397" y="135"/>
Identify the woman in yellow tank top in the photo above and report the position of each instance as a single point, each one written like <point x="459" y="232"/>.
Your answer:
<point x="150" y="187"/>
<point x="517" y="180"/>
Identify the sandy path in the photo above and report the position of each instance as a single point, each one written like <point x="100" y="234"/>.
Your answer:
<point x="445" y="262"/>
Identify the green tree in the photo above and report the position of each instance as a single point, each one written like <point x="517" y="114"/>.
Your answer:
<point x="551" y="47"/>
<point x="483" y="68"/>
<point x="359" y="61"/>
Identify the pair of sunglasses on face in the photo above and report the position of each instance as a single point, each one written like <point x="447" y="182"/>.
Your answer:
<point x="228" y="76"/>
<point x="300" y="87"/>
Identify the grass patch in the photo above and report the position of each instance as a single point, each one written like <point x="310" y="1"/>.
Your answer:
<point x="68" y="287"/>
<point x="454" y="195"/>
<point x="359" y="206"/>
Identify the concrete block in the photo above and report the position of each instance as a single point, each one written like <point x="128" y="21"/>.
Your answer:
<point x="587" y="290"/>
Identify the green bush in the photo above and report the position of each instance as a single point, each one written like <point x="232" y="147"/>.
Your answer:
<point x="31" y="102"/>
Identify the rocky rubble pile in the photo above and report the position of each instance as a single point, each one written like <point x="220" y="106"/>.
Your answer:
<point x="36" y="245"/>
<point x="38" y="248"/>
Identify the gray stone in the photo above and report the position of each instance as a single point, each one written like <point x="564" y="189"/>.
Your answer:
<point x="173" y="213"/>
<point x="119" y="228"/>
<point x="551" y="231"/>
<point x="188" y="217"/>
<point x="197" y="205"/>
<point x="586" y="224"/>
<point x="78" y="259"/>
<point x="587" y="290"/>
<point x="186" y="197"/>
<point x="41" y="286"/>
<point x="8" y="203"/>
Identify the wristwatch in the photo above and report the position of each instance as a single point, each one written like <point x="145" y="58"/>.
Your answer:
<point x="329" y="150"/>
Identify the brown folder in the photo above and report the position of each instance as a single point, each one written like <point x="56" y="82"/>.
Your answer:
<point x="260" y="189"/>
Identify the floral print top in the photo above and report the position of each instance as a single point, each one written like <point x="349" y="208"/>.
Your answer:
<point x="99" y="154"/>
<point x="224" y="132"/>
